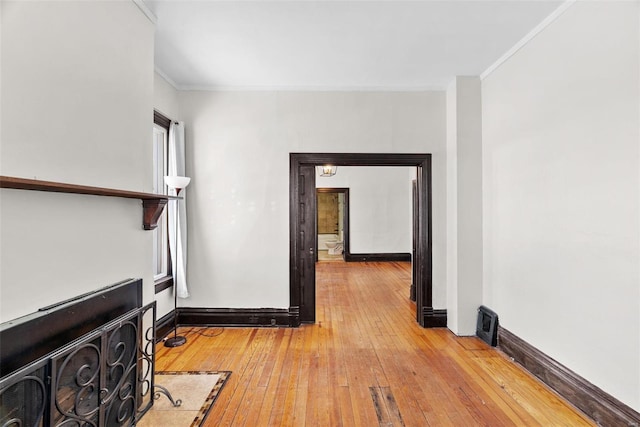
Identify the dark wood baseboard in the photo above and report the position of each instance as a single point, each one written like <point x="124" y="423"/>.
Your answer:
<point x="238" y="317"/>
<point x="294" y="317"/>
<point x="603" y="408"/>
<point x="164" y="325"/>
<point x="377" y="257"/>
<point x="434" y="317"/>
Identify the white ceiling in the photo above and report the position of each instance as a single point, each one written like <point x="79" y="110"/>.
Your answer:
<point x="335" y="45"/>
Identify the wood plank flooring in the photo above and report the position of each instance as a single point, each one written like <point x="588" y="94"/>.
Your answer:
<point x="364" y="364"/>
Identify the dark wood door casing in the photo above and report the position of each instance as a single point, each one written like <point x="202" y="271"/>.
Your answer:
<point x="414" y="238"/>
<point x="303" y="243"/>
<point x="425" y="313"/>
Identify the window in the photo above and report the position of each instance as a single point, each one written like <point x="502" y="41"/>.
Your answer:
<point x="161" y="256"/>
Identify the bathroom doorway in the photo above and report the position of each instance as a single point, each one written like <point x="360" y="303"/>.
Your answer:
<point x="332" y="223"/>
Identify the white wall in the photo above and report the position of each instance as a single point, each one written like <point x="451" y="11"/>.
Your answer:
<point x="238" y="146"/>
<point x="165" y="98"/>
<point x="76" y="106"/>
<point x="562" y="194"/>
<point x="379" y="207"/>
<point x="464" y="204"/>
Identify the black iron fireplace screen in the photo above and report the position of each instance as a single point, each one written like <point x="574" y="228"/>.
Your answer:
<point x="100" y="378"/>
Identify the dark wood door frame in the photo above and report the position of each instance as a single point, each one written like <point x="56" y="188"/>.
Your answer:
<point x="426" y="315"/>
<point x="345" y="218"/>
<point x="414" y="238"/>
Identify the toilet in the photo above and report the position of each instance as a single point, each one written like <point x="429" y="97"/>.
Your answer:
<point x="335" y="247"/>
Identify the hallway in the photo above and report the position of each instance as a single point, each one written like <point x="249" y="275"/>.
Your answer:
<point x="366" y="363"/>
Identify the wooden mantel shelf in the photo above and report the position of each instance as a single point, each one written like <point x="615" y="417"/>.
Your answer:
<point x="152" y="204"/>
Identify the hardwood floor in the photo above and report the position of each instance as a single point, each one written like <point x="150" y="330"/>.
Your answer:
<point x="364" y="365"/>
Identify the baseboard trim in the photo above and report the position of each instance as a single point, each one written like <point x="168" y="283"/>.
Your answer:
<point x="164" y="325"/>
<point x="377" y="257"/>
<point x="237" y="317"/>
<point x="603" y="408"/>
<point x="434" y="317"/>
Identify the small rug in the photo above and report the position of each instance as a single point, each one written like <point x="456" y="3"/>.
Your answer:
<point x="198" y="390"/>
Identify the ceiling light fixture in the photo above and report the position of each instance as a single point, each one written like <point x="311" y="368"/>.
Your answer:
<point x="327" y="170"/>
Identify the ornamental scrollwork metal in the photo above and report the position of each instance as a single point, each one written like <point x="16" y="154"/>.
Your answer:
<point x="104" y="378"/>
<point x="120" y="373"/>
<point x="77" y="388"/>
<point x="146" y="359"/>
<point x="12" y="398"/>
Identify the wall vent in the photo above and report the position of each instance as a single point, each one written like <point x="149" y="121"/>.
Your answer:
<point x="487" y="326"/>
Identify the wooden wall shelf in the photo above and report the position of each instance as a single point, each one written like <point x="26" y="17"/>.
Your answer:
<point x="152" y="204"/>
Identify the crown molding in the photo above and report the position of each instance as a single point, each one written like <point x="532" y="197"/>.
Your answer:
<point x="530" y="36"/>
<point x="276" y="88"/>
<point x="147" y="12"/>
<point x="312" y="88"/>
<point x="167" y="78"/>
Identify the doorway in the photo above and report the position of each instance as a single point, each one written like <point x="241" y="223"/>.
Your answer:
<point x="302" y="230"/>
<point x="332" y="221"/>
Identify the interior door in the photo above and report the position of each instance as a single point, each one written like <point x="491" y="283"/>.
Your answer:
<point x="306" y="242"/>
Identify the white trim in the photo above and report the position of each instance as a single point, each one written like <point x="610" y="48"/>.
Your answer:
<point x="213" y="88"/>
<point x="147" y="12"/>
<point x="526" y="39"/>
<point x="167" y="78"/>
<point x="314" y="88"/>
<point x="160" y="234"/>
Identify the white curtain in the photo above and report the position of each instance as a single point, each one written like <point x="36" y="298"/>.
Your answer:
<point x="179" y="250"/>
